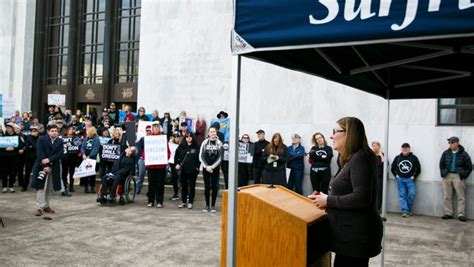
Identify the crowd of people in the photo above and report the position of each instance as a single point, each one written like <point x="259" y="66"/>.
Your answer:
<point x="200" y="150"/>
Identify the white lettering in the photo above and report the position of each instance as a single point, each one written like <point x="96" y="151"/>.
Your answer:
<point x="333" y="9"/>
<point x="410" y="14"/>
<point x="465" y="4"/>
<point x="351" y="13"/>
<point x="384" y="8"/>
<point x="434" y="5"/>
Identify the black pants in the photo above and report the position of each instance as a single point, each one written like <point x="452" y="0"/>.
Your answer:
<point x="188" y="186"/>
<point x="69" y="163"/>
<point x="225" y="171"/>
<point x="8" y="171"/>
<point x="156" y="185"/>
<point x="379" y="193"/>
<point x="343" y="261"/>
<point x="211" y="182"/>
<point x="20" y="169"/>
<point x="257" y="175"/>
<point x="114" y="184"/>
<point x="105" y="167"/>
<point x="174" y="179"/>
<point x="320" y="180"/>
<point x="88" y="181"/>
<point x="29" y="163"/>
<point x="244" y="174"/>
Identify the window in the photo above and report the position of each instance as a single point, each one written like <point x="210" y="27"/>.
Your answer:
<point x="128" y="40"/>
<point x="58" y="27"/>
<point x="92" y="48"/>
<point x="456" y="111"/>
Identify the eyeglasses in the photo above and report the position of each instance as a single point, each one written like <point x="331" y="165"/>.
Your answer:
<point x="245" y="137"/>
<point x="334" y="131"/>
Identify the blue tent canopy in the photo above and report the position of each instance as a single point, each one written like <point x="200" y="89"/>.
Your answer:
<point x="411" y="49"/>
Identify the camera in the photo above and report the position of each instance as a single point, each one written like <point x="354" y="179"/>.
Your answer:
<point x="41" y="175"/>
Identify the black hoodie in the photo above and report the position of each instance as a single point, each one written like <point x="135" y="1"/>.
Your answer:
<point x="406" y="166"/>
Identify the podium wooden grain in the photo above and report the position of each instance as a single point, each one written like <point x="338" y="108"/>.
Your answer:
<point x="276" y="227"/>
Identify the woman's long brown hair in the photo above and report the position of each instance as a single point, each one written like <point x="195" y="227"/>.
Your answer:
<point x="276" y="150"/>
<point x="356" y="139"/>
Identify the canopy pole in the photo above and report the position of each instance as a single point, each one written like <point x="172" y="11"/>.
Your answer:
<point x="385" y="177"/>
<point x="233" y="164"/>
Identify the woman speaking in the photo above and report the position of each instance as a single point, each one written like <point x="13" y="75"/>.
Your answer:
<point x="351" y="205"/>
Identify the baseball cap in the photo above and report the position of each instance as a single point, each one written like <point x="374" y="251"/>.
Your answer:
<point x="176" y="133"/>
<point x="454" y="139"/>
<point x="105" y="110"/>
<point x="148" y="127"/>
<point x="260" y="131"/>
<point x="405" y="145"/>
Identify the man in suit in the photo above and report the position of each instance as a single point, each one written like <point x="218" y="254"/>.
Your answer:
<point x="47" y="169"/>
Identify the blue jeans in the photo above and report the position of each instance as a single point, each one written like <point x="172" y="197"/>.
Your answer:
<point x="406" y="191"/>
<point x="141" y="174"/>
<point x="296" y="180"/>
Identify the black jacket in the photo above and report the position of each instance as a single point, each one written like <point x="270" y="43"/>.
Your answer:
<point x="30" y="147"/>
<point x="258" y="153"/>
<point x="463" y="163"/>
<point x="280" y="163"/>
<point x="188" y="158"/>
<point x="54" y="152"/>
<point x="406" y="167"/>
<point x="320" y="157"/>
<point x="124" y="166"/>
<point x="354" y="222"/>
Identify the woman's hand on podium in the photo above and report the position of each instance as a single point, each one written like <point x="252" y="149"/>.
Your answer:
<point x="319" y="200"/>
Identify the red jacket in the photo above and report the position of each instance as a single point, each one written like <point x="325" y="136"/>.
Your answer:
<point x="162" y="166"/>
<point x="129" y="117"/>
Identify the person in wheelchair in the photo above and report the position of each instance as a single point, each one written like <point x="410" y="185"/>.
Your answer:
<point x="121" y="169"/>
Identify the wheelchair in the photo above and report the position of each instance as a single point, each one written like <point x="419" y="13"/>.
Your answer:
<point x="126" y="190"/>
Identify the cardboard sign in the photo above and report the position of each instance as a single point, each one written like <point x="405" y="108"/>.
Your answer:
<point x="110" y="152"/>
<point x="245" y="152"/>
<point x="9" y="141"/>
<point x="72" y="145"/>
<point x="56" y="100"/>
<point x="156" y="150"/>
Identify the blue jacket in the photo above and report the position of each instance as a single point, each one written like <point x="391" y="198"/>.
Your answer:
<point x="90" y="147"/>
<point x="52" y="151"/>
<point x="296" y="157"/>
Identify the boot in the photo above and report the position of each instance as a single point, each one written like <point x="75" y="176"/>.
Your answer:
<point x="86" y="189"/>
<point x="71" y="188"/>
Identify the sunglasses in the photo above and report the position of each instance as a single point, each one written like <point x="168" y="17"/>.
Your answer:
<point x="334" y="131"/>
<point x="245" y="137"/>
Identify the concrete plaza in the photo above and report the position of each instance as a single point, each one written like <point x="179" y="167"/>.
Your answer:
<point x="83" y="233"/>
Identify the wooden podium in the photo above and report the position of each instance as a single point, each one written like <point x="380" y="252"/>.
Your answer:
<point x="277" y="227"/>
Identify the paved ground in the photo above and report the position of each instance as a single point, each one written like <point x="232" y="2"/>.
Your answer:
<point x="84" y="233"/>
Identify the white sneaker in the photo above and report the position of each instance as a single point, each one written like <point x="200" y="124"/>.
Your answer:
<point x="182" y="205"/>
<point x="150" y="205"/>
<point x="159" y="205"/>
<point x="4" y="190"/>
<point x="213" y="210"/>
<point x="190" y="205"/>
<point x="11" y="189"/>
<point x="206" y="209"/>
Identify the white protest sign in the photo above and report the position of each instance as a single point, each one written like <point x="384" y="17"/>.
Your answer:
<point x="156" y="150"/>
<point x="87" y="168"/>
<point x="173" y="148"/>
<point x="9" y="141"/>
<point x="56" y="100"/>
<point x="8" y="107"/>
<point x="141" y="131"/>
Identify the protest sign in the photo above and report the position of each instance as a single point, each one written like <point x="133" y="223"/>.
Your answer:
<point x="8" y="107"/>
<point x="56" y="100"/>
<point x="72" y="145"/>
<point x="130" y="133"/>
<point x="173" y="148"/>
<point x="141" y="131"/>
<point x="104" y="140"/>
<point x="87" y="168"/>
<point x="9" y="141"/>
<point x="245" y="152"/>
<point x="224" y="125"/>
<point x="110" y="152"/>
<point x="156" y="150"/>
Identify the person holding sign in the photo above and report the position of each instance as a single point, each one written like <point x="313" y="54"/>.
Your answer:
<point x="156" y="173"/>
<point x="89" y="149"/>
<point x="245" y="169"/>
<point x="110" y="152"/>
<point x="8" y="159"/>
<point x="276" y="156"/>
<point x="187" y="163"/>
<point x="210" y="155"/>
<point x="72" y="159"/>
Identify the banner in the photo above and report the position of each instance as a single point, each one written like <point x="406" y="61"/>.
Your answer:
<point x="56" y="100"/>
<point x="104" y="140"/>
<point x="156" y="150"/>
<point x="72" y="145"/>
<point x="110" y="152"/>
<point x="224" y="125"/>
<point x="191" y="122"/>
<point x="141" y="131"/>
<point x="87" y="168"/>
<point x="8" y="141"/>
<point x="245" y="152"/>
